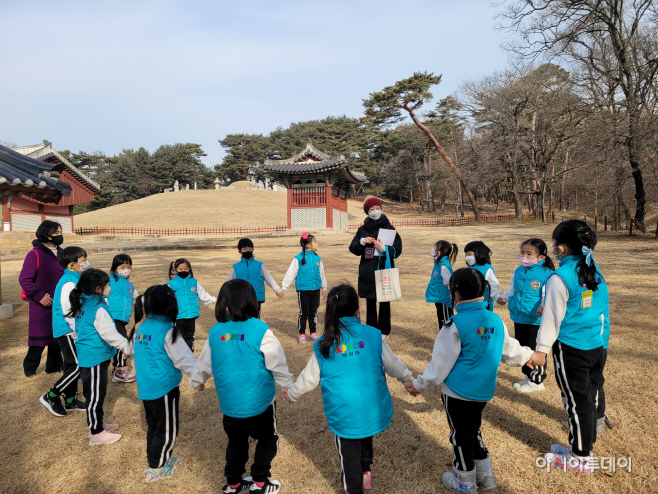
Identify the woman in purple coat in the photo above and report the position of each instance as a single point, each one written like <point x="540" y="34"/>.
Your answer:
<point x="38" y="278"/>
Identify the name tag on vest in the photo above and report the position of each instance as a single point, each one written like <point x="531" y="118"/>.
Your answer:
<point x="586" y="301"/>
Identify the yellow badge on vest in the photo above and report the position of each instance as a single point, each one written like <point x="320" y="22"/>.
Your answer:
<point x="586" y="301"/>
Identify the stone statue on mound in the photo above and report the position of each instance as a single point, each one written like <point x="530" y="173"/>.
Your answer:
<point x="176" y="188"/>
<point x="187" y="186"/>
<point x="194" y="185"/>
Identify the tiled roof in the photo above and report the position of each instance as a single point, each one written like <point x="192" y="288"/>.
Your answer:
<point x="31" y="177"/>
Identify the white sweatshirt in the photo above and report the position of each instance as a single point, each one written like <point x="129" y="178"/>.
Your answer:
<point x="107" y="330"/>
<point x="309" y="379"/>
<point x="292" y="274"/>
<point x="555" y="308"/>
<point x="178" y="351"/>
<point x="509" y="293"/>
<point x="65" y="303"/>
<point x="267" y="278"/>
<point x="270" y="347"/>
<point x="494" y="284"/>
<point x="204" y="296"/>
<point x="447" y="347"/>
<point x="446" y="275"/>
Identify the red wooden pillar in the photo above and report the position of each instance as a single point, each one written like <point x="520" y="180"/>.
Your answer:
<point x="42" y="213"/>
<point x="329" y="223"/>
<point x="289" y="207"/>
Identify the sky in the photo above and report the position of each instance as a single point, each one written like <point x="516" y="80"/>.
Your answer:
<point x="104" y="76"/>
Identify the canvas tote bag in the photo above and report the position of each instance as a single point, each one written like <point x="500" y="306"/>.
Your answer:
<point x="387" y="281"/>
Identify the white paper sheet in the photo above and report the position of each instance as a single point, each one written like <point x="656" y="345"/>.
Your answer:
<point x="387" y="236"/>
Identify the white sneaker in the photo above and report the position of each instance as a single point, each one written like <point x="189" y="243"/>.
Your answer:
<point x="521" y="382"/>
<point x="529" y="387"/>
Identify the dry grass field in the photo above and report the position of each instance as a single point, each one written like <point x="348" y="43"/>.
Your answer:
<point x="44" y="454"/>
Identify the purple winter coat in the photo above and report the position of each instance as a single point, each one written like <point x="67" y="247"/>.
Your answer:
<point x="36" y="283"/>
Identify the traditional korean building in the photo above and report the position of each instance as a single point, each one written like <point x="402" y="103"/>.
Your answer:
<point x="25" y="212"/>
<point x="317" y="186"/>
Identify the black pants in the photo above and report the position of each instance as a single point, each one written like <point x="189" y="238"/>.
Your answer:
<point x="526" y="334"/>
<point x="578" y="374"/>
<point x="162" y="422"/>
<point x="119" y="359"/>
<point x="355" y="459"/>
<point x="262" y="428"/>
<point x="33" y="359"/>
<point x="259" y="305"/>
<point x="309" y="303"/>
<point x="464" y="420"/>
<point x="67" y="385"/>
<point x="383" y="322"/>
<point x="187" y="329"/>
<point x="600" y="401"/>
<point x="94" y="387"/>
<point x="443" y="313"/>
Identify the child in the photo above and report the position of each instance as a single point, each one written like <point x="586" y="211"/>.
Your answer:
<point x="253" y="271"/>
<point x="247" y="360"/>
<point x="478" y="256"/>
<point x="188" y="293"/>
<point x="465" y="360"/>
<point x="307" y="270"/>
<point x="74" y="261"/>
<point x="574" y="325"/>
<point x="160" y="356"/>
<point x="96" y="344"/>
<point x="438" y="289"/>
<point x="349" y="363"/>
<point x="121" y="302"/>
<point x="525" y="296"/>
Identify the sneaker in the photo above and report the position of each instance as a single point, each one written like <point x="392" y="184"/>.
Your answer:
<point x="367" y="481"/>
<point x="569" y="462"/>
<point x="270" y="487"/>
<point x="108" y="428"/>
<point x="458" y="481"/>
<point x="75" y="405"/>
<point x="103" y="437"/>
<point x="313" y="337"/>
<point x="529" y="387"/>
<point x="53" y="404"/>
<point x="153" y="474"/>
<point x="484" y="476"/>
<point x="241" y="488"/>
<point x="175" y="461"/>
<point x="522" y="382"/>
<point x="121" y="375"/>
<point x="302" y="339"/>
<point x="558" y="449"/>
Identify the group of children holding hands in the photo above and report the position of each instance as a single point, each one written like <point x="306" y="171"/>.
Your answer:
<point x="349" y="360"/>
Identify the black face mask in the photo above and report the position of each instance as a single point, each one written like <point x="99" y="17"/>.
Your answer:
<point x="57" y="239"/>
<point x="183" y="274"/>
<point x="247" y="255"/>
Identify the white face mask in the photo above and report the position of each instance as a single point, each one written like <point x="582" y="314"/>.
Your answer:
<point x="433" y="252"/>
<point x="470" y="260"/>
<point x="123" y="272"/>
<point x="106" y="292"/>
<point x="84" y="265"/>
<point x="375" y="215"/>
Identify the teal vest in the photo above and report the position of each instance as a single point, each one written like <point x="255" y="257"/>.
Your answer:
<point x="528" y="284"/>
<point x="356" y="399"/>
<point x="186" y="296"/>
<point x="60" y="326"/>
<point x="245" y="387"/>
<point x="250" y="270"/>
<point x="156" y="373"/>
<point x="308" y="276"/>
<point x="121" y="298"/>
<point x="437" y="292"/>
<point x="92" y="349"/>
<point x="482" y="334"/>
<point x="585" y="324"/>
<point x="483" y="269"/>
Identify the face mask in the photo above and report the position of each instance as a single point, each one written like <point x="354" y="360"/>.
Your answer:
<point x="84" y="265"/>
<point x="470" y="260"/>
<point x="247" y="255"/>
<point x="558" y="256"/>
<point x="124" y="273"/>
<point x="183" y="274"/>
<point x="375" y="215"/>
<point x="528" y="262"/>
<point x="315" y="248"/>
<point x="433" y="252"/>
<point x="57" y="239"/>
<point x="106" y="292"/>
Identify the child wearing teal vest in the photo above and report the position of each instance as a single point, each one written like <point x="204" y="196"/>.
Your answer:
<point x="438" y="289"/>
<point x="526" y="304"/>
<point x="478" y="256"/>
<point x="575" y="326"/>
<point x="307" y="271"/>
<point x="350" y="362"/>
<point x="96" y="344"/>
<point x="465" y="360"/>
<point x="74" y="261"/>
<point x="247" y="361"/>
<point x="253" y="271"/>
<point x="160" y="356"/>
<point x="188" y="294"/>
<point x="121" y="302"/>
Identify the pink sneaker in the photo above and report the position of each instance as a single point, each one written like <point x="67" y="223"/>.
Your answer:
<point x="302" y="339"/>
<point x="108" y="428"/>
<point x="121" y="375"/>
<point x="367" y="481"/>
<point x="313" y="337"/>
<point x="103" y="437"/>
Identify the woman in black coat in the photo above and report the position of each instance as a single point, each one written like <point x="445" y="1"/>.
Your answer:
<point x="365" y="237"/>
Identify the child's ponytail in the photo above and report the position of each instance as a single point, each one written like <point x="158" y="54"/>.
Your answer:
<point x="581" y="241"/>
<point x="443" y="248"/>
<point x="342" y="301"/>
<point x="74" y="300"/>
<point x="305" y="240"/>
<point x="88" y="284"/>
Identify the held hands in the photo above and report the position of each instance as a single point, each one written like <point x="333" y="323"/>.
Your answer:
<point x="281" y="294"/>
<point x="537" y="359"/>
<point x="324" y="294"/>
<point x="500" y="301"/>
<point x="540" y="311"/>
<point x="284" y="395"/>
<point x="201" y="387"/>
<point x="412" y="389"/>
<point x="46" y="301"/>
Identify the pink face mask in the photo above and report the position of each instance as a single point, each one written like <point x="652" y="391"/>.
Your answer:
<point x="526" y="263"/>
